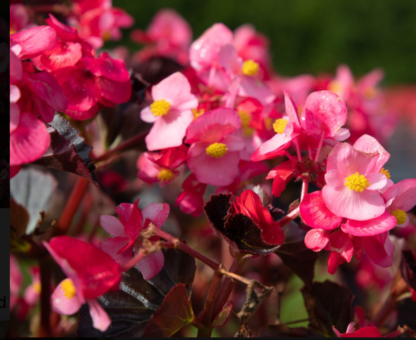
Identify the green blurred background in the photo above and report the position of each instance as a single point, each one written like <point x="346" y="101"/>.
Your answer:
<point x="308" y="36"/>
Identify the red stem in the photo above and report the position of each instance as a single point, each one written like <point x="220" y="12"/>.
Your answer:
<point x="135" y="259"/>
<point x="305" y="184"/>
<point x="296" y="142"/>
<point x="318" y="151"/>
<point x="126" y="144"/>
<point x="73" y="203"/>
<point x="289" y="217"/>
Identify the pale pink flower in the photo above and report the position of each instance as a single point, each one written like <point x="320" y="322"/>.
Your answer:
<point x="352" y="189"/>
<point x="171" y="112"/>
<point x="214" y="154"/>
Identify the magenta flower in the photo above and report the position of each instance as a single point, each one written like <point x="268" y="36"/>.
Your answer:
<point x="190" y="200"/>
<point x="91" y="273"/>
<point x="353" y="185"/>
<point x="171" y="112"/>
<point x="127" y="230"/>
<point x="286" y="128"/>
<point x="214" y="154"/>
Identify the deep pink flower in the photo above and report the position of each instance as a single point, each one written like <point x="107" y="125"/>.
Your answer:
<point x="32" y="292"/>
<point x="127" y="230"/>
<point x="400" y="198"/>
<point x="250" y="204"/>
<point x="364" y="332"/>
<point x="214" y="154"/>
<point x="19" y="18"/>
<point x="286" y="128"/>
<point x="92" y="82"/>
<point x="352" y="189"/>
<point x="160" y="167"/>
<point x="169" y="35"/>
<point x="33" y="41"/>
<point x="91" y="273"/>
<point x="190" y="199"/>
<point x="171" y="112"/>
<point x="203" y="56"/>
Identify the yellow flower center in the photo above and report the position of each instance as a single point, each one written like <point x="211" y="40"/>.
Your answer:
<point x="197" y="113"/>
<point x="37" y="287"/>
<point x="68" y="288"/>
<point x="400" y="216"/>
<point x="268" y="123"/>
<point x="165" y="175"/>
<point x="335" y="86"/>
<point x="356" y="182"/>
<point x="385" y="172"/>
<point x="12" y="31"/>
<point x="216" y="150"/>
<point x="370" y="92"/>
<point x="250" y="68"/>
<point x="106" y="36"/>
<point x="245" y="123"/>
<point x="279" y="125"/>
<point x="160" y="107"/>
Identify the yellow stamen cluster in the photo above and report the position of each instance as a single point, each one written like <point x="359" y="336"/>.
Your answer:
<point x="268" y="123"/>
<point x="335" y="86"/>
<point x="216" y="150"/>
<point x="245" y="123"/>
<point x="370" y="92"/>
<point x="37" y="287"/>
<point x="165" y="175"/>
<point x="356" y="182"/>
<point x="106" y="36"/>
<point x="385" y="172"/>
<point x="250" y="68"/>
<point x="400" y="216"/>
<point x="68" y="288"/>
<point x="197" y="112"/>
<point x="279" y="125"/>
<point x="160" y="107"/>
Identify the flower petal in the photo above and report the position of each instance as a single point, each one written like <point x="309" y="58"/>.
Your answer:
<point x="151" y="265"/>
<point x="370" y="227"/>
<point x="63" y="305"/>
<point x="379" y="249"/>
<point x="100" y="319"/>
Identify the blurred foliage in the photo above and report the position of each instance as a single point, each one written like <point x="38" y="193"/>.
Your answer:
<point x="308" y="36"/>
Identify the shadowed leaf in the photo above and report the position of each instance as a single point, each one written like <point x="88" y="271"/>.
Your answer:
<point x="408" y="268"/>
<point x="174" y="313"/>
<point x="282" y="331"/>
<point x="295" y="255"/>
<point x="131" y="308"/>
<point x="68" y="150"/>
<point x="328" y="304"/>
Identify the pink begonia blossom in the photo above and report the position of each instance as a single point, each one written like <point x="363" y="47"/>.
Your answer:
<point x="94" y="81"/>
<point x="252" y="45"/>
<point x="171" y="112"/>
<point x="19" y="18"/>
<point x="244" y="76"/>
<point x="32" y="292"/>
<point x="352" y="189"/>
<point x="324" y="114"/>
<point x="160" y="167"/>
<point x="203" y="56"/>
<point x="33" y="41"/>
<point x="98" y="21"/>
<point x="400" y="198"/>
<point x="168" y="35"/>
<point x="214" y="153"/>
<point x="286" y="128"/>
<point x="70" y="48"/>
<point x="190" y="200"/>
<point x="91" y="273"/>
<point x="16" y="279"/>
<point x="127" y="230"/>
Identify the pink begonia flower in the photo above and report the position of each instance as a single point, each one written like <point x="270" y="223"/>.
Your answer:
<point x="33" y="41"/>
<point x="98" y="21"/>
<point x="29" y="140"/>
<point x="352" y="189"/>
<point x="19" y="18"/>
<point x="324" y="114"/>
<point x="364" y="332"/>
<point x="190" y="200"/>
<point x="32" y="292"/>
<point x="127" y="230"/>
<point x="91" y="273"/>
<point x="154" y="167"/>
<point x="286" y="128"/>
<point x="169" y="35"/>
<point x="203" y="56"/>
<point x="92" y="82"/>
<point x="16" y="278"/>
<point x="70" y="48"/>
<point x="371" y="276"/>
<point x="214" y="154"/>
<point x="400" y="198"/>
<point x="281" y="175"/>
<point x="171" y="112"/>
<point x="252" y="45"/>
<point x="244" y="77"/>
<point x="343" y="83"/>
<point x="247" y="171"/>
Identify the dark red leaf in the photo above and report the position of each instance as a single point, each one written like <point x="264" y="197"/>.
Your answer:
<point x="68" y="151"/>
<point x="223" y="316"/>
